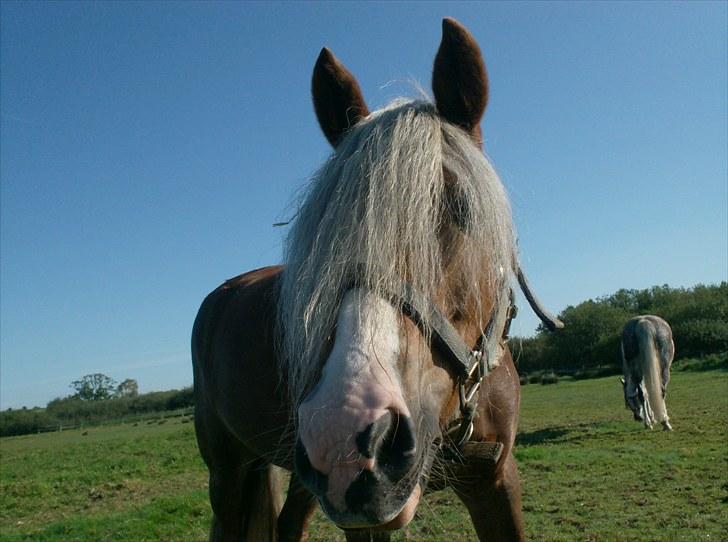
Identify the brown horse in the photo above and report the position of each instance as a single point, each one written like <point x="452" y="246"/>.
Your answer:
<point x="374" y="365"/>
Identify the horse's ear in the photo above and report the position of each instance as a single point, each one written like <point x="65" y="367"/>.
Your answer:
<point x="459" y="79"/>
<point x="337" y="98"/>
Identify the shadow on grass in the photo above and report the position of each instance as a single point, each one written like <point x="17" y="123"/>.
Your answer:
<point x="570" y="433"/>
<point x="550" y="434"/>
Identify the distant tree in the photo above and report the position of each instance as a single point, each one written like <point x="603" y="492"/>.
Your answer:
<point x="94" y="387"/>
<point x="529" y="353"/>
<point x="128" y="388"/>
<point x="590" y="337"/>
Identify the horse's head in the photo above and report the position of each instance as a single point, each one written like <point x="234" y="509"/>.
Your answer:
<point x="406" y="209"/>
<point x="635" y="399"/>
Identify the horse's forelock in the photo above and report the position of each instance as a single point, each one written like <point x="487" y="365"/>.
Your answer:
<point x="376" y="206"/>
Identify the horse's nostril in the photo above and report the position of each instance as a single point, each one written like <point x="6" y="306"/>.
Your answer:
<point x="313" y="480"/>
<point x="369" y="440"/>
<point x="390" y="441"/>
<point x="403" y="435"/>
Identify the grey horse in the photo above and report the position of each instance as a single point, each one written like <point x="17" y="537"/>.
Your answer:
<point x="647" y="353"/>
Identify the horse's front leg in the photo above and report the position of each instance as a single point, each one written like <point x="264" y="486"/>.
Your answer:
<point x="493" y="501"/>
<point x="227" y="500"/>
<point x="296" y="513"/>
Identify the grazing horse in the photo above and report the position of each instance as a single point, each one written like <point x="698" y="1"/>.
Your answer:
<point x="647" y="352"/>
<point x="374" y="364"/>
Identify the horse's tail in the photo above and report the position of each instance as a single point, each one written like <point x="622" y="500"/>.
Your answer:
<point x="650" y="360"/>
<point x="263" y="493"/>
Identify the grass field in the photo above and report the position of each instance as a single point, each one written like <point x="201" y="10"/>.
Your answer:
<point x="589" y="474"/>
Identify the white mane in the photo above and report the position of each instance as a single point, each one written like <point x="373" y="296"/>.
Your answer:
<point x="378" y="205"/>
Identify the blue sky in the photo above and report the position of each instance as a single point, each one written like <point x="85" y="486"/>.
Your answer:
<point x="146" y="149"/>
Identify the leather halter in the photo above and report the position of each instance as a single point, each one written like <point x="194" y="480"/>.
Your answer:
<point x="471" y="365"/>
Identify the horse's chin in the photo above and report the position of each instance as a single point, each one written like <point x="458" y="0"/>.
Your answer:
<point x="398" y="502"/>
<point x="405" y="515"/>
<point x="399" y="519"/>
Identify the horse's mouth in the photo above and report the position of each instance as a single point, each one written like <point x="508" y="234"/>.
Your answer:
<point x="401" y="498"/>
<point x="405" y="515"/>
<point x="397" y="519"/>
<point x="390" y="507"/>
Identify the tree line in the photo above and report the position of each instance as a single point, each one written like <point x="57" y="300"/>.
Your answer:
<point x="97" y="399"/>
<point x="589" y="344"/>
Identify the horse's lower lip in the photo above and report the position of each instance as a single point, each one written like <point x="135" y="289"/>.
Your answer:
<point x="397" y="520"/>
<point x="405" y="515"/>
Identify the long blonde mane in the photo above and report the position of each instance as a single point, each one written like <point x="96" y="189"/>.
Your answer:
<point x="377" y="205"/>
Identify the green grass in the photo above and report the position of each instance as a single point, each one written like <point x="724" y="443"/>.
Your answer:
<point x="589" y="473"/>
<point x="126" y="482"/>
<point x="592" y="474"/>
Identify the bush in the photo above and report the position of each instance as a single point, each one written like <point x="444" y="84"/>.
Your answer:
<point x="70" y="411"/>
<point x="699" y="337"/>
<point x="707" y="363"/>
<point x="549" y="377"/>
<point x="24" y="421"/>
<point x="596" y="372"/>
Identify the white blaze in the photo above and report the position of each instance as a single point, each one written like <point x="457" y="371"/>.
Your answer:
<point x="358" y="385"/>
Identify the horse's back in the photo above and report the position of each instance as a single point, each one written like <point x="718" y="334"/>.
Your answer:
<point x="646" y="325"/>
<point x="234" y="361"/>
<point x="252" y="289"/>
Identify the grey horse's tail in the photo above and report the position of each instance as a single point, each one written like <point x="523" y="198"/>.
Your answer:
<point x="651" y="361"/>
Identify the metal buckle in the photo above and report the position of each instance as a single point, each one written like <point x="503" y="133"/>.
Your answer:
<point x="464" y="434"/>
<point x="468" y="397"/>
<point x="480" y="368"/>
